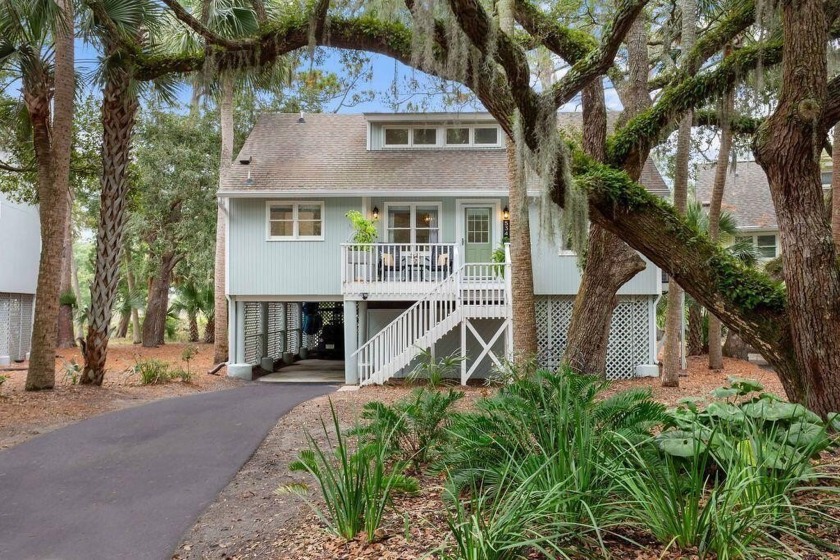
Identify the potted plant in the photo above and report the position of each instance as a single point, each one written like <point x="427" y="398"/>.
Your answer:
<point x="364" y="233"/>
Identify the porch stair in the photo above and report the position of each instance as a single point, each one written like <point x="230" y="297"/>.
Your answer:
<point x="475" y="290"/>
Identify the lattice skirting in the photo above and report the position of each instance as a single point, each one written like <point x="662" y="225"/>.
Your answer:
<point x="632" y="333"/>
<point x="16" y="325"/>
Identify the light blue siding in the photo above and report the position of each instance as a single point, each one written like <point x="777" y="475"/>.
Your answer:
<point x="258" y="267"/>
<point x="20" y="247"/>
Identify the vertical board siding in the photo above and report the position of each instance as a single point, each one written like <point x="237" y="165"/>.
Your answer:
<point x="20" y="247"/>
<point x="258" y="267"/>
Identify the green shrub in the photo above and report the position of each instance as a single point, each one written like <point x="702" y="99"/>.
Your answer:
<point x="183" y="375"/>
<point x="415" y="427"/>
<point x="189" y="352"/>
<point x="72" y="371"/>
<point x="356" y="482"/>
<point x="153" y="372"/>
<point x="435" y="372"/>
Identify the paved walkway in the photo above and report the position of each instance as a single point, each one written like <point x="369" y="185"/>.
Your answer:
<point x="128" y="484"/>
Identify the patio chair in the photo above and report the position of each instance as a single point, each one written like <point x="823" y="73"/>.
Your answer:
<point x="439" y="263"/>
<point x="391" y="265"/>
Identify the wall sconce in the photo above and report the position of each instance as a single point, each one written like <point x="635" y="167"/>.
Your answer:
<point x="375" y="212"/>
<point x="506" y="213"/>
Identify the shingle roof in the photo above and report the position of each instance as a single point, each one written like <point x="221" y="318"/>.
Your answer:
<point x="329" y="152"/>
<point x="746" y="194"/>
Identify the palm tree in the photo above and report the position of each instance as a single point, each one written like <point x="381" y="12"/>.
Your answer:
<point x="36" y="39"/>
<point x="193" y="300"/>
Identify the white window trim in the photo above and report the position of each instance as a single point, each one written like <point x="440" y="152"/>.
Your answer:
<point x="441" y="137"/>
<point x="295" y="221"/>
<point x="413" y="205"/>
<point x="755" y="235"/>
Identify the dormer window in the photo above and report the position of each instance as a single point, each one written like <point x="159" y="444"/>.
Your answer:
<point x="430" y="136"/>
<point x="486" y="136"/>
<point x="425" y="137"/>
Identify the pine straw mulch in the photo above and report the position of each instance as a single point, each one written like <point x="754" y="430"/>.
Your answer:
<point x="249" y="520"/>
<point x="25" y="414"/>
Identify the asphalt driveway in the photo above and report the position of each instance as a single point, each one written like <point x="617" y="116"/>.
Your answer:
<point x="128" y="484"/>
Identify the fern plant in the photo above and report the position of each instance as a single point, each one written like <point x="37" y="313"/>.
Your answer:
<point x="435" y="372"/>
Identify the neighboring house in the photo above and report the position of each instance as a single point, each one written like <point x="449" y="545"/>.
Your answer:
<point x="20" y="250"/>
<point x="437" y="184"/>
<point x="746" y="196"/>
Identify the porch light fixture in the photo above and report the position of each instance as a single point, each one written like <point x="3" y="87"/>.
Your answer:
<point x="375" y="212"/>
<point x="506" y="213"/>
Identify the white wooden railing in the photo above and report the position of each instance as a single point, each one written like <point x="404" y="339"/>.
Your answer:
<point x="480" y="290"/>
<point x="396" y="268"/>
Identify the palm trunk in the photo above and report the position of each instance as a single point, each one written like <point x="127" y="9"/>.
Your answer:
<point x="715" y="348"/>
<point x="695" y="330"/>
<point x="77" y="292"/>
<point x="220" y="326"/>
<point x="122" y="329"/>
<point x="835" y="188"/>
<point x="52" y="143"/>
<point x="209" y="330"/>
<point x="66" y="338"/>
<point x="610" y="263"/>
<point x="154" y="323"/>
<point x="787" y="148"/>
<point x="119" y="109"/>
<point x="193" y="321"/>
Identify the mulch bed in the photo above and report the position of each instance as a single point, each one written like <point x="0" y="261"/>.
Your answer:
<point x="249" y="520"/>
<point x="25" y="414"/>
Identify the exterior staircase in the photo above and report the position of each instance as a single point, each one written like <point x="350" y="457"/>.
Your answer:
<point x="475" y="290"/>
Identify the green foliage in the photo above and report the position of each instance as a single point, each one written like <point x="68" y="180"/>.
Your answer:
<point x="435" y="372"/>
<point x="152" y="371"/>
<point x="356" y="482"/>
<point x="3" y="379"/>
<point x="67" y="298"/>
<point x="415" y="427"/>
<point x="72" y="371"/>
<point x="364" y="230"/>
<point x="183" y="375"/>
<point x="187" y="354"/>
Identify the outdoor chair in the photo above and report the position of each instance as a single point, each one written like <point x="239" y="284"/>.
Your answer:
<point x="391" y="265"/>
<point x="439" y="263"/>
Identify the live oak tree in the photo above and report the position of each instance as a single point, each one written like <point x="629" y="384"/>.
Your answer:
<point x="797" y="328"/>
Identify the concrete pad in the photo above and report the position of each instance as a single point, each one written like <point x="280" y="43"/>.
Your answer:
<point x="348" y="388"/>
<point x="308" y="371"/>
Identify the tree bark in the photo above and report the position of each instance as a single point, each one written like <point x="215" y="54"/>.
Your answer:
<point x="122" y="329"/>
<point x="52" y="141"/>
<point x="136" y="336"/>
<point x="674" y="318"/>
<point x="787" y="147"/>
<point x="610" y="263"/>
<point x="192" y="317"/>
<point x="66" y="337"/>
<point x="835" y="188"/>
<point x="695" y="329"/>
<point x="119" y="110"/>
<point x="220" y="326"/>
<point x="209" y="330"/>
<point x="154" y="323"/>
<point x="735" y="347"/>
<point x="715" y="348"/>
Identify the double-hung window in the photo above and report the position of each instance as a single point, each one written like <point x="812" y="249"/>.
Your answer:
<point x="765" y="244"/>
<point x="413" y="222"/>
<point x="295" y="221"/>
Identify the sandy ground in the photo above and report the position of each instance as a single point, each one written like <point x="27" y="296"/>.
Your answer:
<point x="249" y="520"/>
<point x="25" y="414"/>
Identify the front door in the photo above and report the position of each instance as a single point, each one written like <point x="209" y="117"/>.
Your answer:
<point x="478" y="234"/>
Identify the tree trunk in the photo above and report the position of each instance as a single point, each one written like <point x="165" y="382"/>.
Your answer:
<point x="715" y="349"/>
<point x="52" y="143"/>
<point x="119" y="109"/>
<point x="835" y="188"/>
<point x="695" y="330"/>
<point x="220" y="325"/>
<point x="66" y="338"/>
<point x="787" y="147"/>
<point x="610" y="263"/>
<point x="77" y="293"/>
<point x="122" y="329"/>
<point x="735" y="347"/>
<point x="136" y="337"/>
<point x="674" y="318"/>
<point x="193" y="321"/>
<point x="522" y="272"/>
<point x="154" y="324"/>
<point x="209" y="330"/>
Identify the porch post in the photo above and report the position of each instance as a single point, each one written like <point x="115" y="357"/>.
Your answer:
<point x="361" y="337"/>
<point x="351" y="344"/>
<point x="240" y="332"/>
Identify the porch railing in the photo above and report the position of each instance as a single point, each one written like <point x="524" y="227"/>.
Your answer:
<point x="396" y="267"/>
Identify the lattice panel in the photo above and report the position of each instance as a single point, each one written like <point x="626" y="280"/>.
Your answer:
<point x="629" y="343"/>
<point x="276" y="330"/>
<point x="5" y="330"/>
<point x="27" y="309"/>
<point x="253" y="332"/>
<point x="293" y="327"/>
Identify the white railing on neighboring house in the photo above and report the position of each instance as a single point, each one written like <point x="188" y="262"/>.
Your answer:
<point x="475" y="290"/>
<point x="395" y="268"/>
